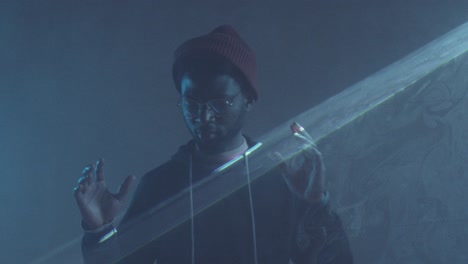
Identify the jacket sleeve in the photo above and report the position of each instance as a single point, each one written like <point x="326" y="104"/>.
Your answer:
<point x="319" y="236"/>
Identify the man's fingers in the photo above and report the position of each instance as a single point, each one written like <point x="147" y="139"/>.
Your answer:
<point x="100" y="170"/>
<point x="125" y="187"/>
<point x="77" y="190"/>
<point x="309" y="149"/>
<point x="90" y="178"/>
<point x="304" y="140"/>
<point x="82" y="179"/>
<point x="86" y="170"/>
<point x="281" y="162"/>
<point x="86" y="178"/>
<point x="296" y="128"/>
<point x="289" y="166"/>
<point x="314" y="157"/>
<point x="301" y="134"/>
<point x="84" y="175"/>
<point x="307" y="135"/>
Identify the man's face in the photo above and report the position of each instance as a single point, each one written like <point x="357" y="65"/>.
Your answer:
<point x="213" y="106"/>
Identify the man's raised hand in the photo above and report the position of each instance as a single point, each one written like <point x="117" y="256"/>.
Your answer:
<point x="304" y="172"/>
<point x="98" y="206"/>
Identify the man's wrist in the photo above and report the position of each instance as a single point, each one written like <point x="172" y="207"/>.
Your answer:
<point x="100" y="234"/>
<point x="98" y="230"/>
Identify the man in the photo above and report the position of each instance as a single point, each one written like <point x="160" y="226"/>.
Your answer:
<point x="282" y="217"/>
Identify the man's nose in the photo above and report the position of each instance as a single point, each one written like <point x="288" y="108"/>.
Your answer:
<point x="206" y="114"/>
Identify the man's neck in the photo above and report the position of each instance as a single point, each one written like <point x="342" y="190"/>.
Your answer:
<point x="225" y="146"/>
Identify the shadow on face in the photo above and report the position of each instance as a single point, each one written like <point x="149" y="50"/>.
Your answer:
<point x="214" y="108"/>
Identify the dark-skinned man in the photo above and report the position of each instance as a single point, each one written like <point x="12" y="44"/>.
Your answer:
<point x="283" y="217"/>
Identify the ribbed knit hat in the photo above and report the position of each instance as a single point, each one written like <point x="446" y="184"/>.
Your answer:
<point x="226" y="42"/>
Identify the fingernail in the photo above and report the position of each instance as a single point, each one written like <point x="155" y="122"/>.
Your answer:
<point x="295" y="127"/>
<point x="86" y="169"/>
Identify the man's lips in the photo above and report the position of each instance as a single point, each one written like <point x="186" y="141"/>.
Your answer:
<point x="206" y="132"/>
<point x="207" y="128"/>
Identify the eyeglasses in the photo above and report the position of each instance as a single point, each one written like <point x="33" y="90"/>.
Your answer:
<point x="217" y="106"/>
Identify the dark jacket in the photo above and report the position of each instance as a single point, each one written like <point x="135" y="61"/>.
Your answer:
<point x="286" y="228"/>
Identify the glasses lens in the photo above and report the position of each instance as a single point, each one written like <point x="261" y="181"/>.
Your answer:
<point x="218" y="105"/>
<point x="189" y="105"/>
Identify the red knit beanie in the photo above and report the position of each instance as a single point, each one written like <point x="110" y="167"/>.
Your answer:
<point x="226" y="42"/>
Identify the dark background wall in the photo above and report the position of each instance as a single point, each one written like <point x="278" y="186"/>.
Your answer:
<point x="87" y="79"/>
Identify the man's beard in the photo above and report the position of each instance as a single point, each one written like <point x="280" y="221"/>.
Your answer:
<point x="219" y="141"/>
